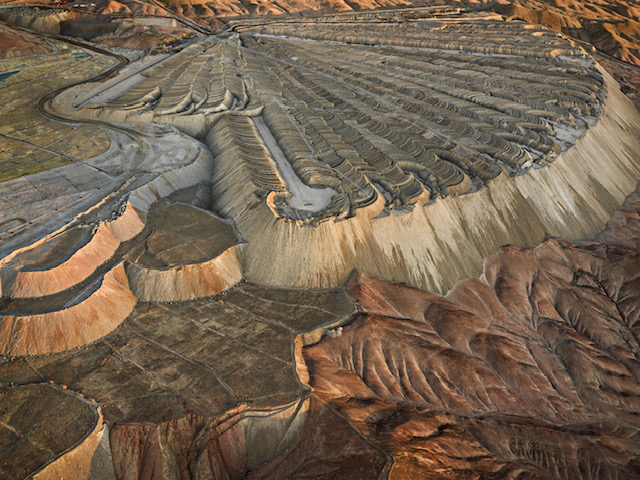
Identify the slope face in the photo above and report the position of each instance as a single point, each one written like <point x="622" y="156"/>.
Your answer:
<point x="336" y="139"/>
<point x="20" y="44"/>
<point x="530" y="371"/>
<point x="612" y="27"/>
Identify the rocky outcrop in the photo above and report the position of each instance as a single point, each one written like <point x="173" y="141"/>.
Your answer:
<point x="40" y="20"/>
<point x="612" y="27"/>
<point x="530" y="371"/>
<point x="223" y="448"/>
<point x="138" y="35"/>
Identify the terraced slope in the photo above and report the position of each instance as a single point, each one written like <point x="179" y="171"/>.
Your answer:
<point x="42" y="422"/>
<point x="363" y="127"/>
<point x="64" y="230"/>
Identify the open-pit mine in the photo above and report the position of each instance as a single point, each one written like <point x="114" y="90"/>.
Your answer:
<point x="396" y="244"/>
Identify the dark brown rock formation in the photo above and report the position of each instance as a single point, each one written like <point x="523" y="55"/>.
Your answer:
<point x="531" y="371"/>
<point x="612" y="27"/>
<point x="14" y="43"/>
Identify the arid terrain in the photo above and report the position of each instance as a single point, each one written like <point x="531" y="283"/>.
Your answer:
<point x="319" y="241"/>
<point x="612" y="27"/>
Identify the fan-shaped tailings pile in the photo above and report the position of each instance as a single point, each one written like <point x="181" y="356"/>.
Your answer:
<point x="473" y="131"/>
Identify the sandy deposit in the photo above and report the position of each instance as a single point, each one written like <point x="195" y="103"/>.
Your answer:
<point x="573" y="197"/>
<point x="20" y="279"/>
<point x="73" y="326"/>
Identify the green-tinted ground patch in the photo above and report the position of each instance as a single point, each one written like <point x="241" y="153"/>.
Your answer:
<point x="29" y="142"/>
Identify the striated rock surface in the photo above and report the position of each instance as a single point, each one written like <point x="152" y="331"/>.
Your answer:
<point x="102" y="24"/>
<point x="43" y="20"/>
<point x="613" y="27"/>
<point x="197" y="447"/>
<point x="132" y="33"/>
<point x="530" y="371"/>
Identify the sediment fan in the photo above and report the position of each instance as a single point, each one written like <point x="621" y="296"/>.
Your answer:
<point x="459" y="127"/>
<point x="406" y="150"/>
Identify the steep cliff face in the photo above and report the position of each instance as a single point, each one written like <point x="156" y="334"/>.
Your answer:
<point x="530" y="371"/>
